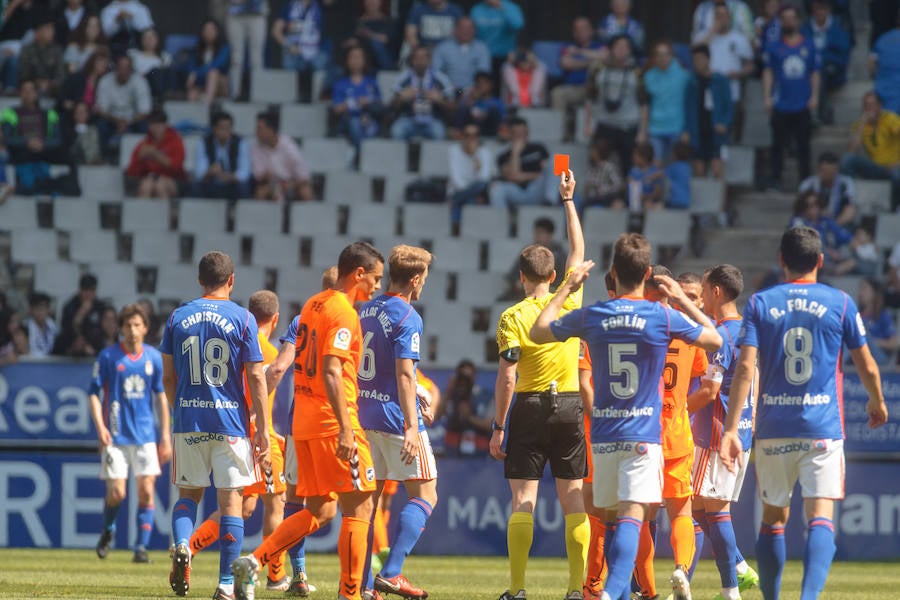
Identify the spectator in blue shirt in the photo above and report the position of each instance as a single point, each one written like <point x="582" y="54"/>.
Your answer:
<point x="885" y="64"/>
<point x="678" y="176"/>
<point x="879" y="323"/>
<point x="481" y="107"/>
<point x="462" y="56"/>
<point x="791" y="92"/>
<point x="298" y="31"/>
<point x="620" y="22"/>
<point x="833" y="43"/>
<point x="222" y="162"/>
<point x="767" y="27"/>
<point x="646" y="181"/>
<point x="663" y="116"/>
<point x="836" y="240"/>
<point x="497" y="23"/>
<point x="574" y="60"/>
<point x="422" y="96"/>
<point x="709" y="111"/>
<point x="355" y="99"/>
<point x="208" y="65"/>
<point x="431" y="22"/>
<point x="377" y="32"/>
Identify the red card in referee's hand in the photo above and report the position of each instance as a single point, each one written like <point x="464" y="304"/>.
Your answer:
<point x="560" y="164"/>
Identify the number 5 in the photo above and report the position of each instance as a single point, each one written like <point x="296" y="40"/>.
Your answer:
<point x="627" y="369"/>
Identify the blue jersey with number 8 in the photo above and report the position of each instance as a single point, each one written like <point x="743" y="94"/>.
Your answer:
<point x="799" y="328"/>
<point x="210" y="340"/>
<point x="628" y="340"/>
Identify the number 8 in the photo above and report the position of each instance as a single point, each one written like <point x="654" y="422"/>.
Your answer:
<point x="798" y="347"/>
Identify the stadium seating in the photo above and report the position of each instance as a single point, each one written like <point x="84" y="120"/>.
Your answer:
<point x="91" y="247"/>
<point x="548" y="53"/>
<point x="273" y="86"/>
<point x="34" y="246"/>
<point x="372" y="220"/>
<point x="176" y="282"/>
<point x="253" y="216"/>
<point x="76" y="214"/>
<point x="434" y="158"/>
<point x="104" y="183"/>
<point x="707" y="195"/>
<point x="456" y="254"/>
<point x="667" y="228"/>
<point x="544" y="124"/>
<point x="872" y="196"/>
<point x="326" y="249"/>
<point x="275" y="250"/>
<point x="313" y="218"/>
<point x="484" y="222"/>
<point x="244" y="114"/>
<point x="383" y="157"/>
<point x="323" y="155"/>
<point x="296" y="284"/>
<point x="602" y="227"/>
<point x="115" y="279"/>
<point x="187" y="113"/>
<point x="887" y="231"/>
<point x="201" y="215"/>
<point x="127" y="144"/>
<point x="478" y="286"/>
<point x="503" y="254"/>
<point x="247" y="280"/>
<point x="386" y="81"/>
<point x="228" y="243"/>
<point x="305" y="120"/>
<point x="422" y="221"/>
<point x="155" y="247"/>
<point x="740" y="165"/>
<point x="527" y="215"/>
<point x="18" y="213"/>
<point x="58" y="279"/>
<point x="348" y="188"/>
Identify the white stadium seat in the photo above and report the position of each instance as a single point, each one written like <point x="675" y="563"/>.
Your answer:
<point x="34" y="246"/>
<point x="199" y="214"/>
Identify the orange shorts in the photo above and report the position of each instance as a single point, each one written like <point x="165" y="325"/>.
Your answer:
<point x="390" y="487"/>
<point x="321" y="473"/>
<point x="590" y="454"/>
<point x="276" y="453"/>
<point x="677" y="477"/>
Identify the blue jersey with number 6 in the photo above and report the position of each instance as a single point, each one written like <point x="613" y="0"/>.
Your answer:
<point x="799" y="328"/>
<point x="392" y="329"/>
<point x="628" y="339"/>
<point x="210" y="340"/>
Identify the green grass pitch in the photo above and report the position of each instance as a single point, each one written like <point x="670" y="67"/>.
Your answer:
<point x="80" y="574"/>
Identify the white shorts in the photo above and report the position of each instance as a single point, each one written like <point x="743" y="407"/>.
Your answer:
<point x="290" y="461"/>
<point x="710" y="478"/>
<point x="116" y="460"/>
<point x="638" y="469"/>
<point x="819" y="464"/>
<point x="229" y="458"/>
<point x="386" y="447"/>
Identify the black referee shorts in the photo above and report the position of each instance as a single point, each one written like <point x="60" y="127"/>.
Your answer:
<point x="540" y="430"/>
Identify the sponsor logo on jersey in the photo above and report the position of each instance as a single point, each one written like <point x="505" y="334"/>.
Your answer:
<point x="342" y="339"/>
<point x="134" y="387"/>
<point x="414" y="342"/>
<point x="860" y="325"/>
<point x="200" y="438"/>
<point x="370" y="474"/>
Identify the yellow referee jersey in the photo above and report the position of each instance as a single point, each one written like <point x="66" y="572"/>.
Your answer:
<point x="539" y="364"/>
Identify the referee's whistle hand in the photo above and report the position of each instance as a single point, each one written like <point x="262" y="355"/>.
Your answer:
<point x="497" y="445"/>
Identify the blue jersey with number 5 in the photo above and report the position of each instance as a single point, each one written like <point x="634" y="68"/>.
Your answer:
<point x="210" y="341"/>
<point x="628" y="340"/>
<point x="392" y="329"/>
<point x="799" y="328"/>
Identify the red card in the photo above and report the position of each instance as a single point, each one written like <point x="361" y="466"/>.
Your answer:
<point x="560" y="164"/>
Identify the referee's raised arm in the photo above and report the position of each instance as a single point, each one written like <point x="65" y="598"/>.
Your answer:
<point x="573" y="223"/>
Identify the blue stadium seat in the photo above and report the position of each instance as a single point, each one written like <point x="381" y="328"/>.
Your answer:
<point x="176" y="42"/>
<point x="548" y="52"/>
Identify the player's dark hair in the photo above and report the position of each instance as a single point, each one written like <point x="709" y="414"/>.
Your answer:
<point x="631" y="259"/>
<point x="329" y="277"/>
<point x="270" y="118"/>
<point x="728" y="278"/>
<point x="358" y="254"/>
<point x="87" y="282"/>
<point x="37" y="298"/>
<point x="132" y="310"/>
<point x="700" y="49"/>
<point x="800" y="249"/>
<point x="219" y="116"/>
<point x="214" y="270"/>
<point x="656" y="270"/>
<point x="688" y="278"/>
<point x="546" y="224"/>
<point x="263" y="305"/>
<point x="536" y="263"/>
<point x="406" y="262"/>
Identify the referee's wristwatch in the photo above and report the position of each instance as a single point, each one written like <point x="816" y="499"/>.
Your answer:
<point x="495" y="426"/>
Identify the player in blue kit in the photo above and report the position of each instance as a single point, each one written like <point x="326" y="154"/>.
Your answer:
<point x="207" y="346"/>
<point x="628" y="338"/>
<point x="401" y="450"/>
<point x="715" y="487"/>
<point x="129" y="378"/>
<point x="796" y="330"/>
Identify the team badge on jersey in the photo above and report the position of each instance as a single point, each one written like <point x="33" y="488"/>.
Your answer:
<point x="640" y="448"/>
<point x="148" y="368"/>
<point x="414" y="342"/>
<point x="342" y="339"/>
<point x="370" y="474"/>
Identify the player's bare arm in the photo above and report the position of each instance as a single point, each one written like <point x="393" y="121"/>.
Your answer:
<point x="573" y="224"/>
<point x="709" y="339"/>
<point x="406" y="389"/>
<point x="705" y="394"/>
<point x="256" y="382"/>
<point x="540" y="332"/>
<point x="170" y="378"/>
<point x="730" y="449"/>
<point x="164" y="448"/>
<point x="868" y="372"/>
<point x="503" y="393"/>
<point x="286" y="355"/>
<point x="333" y="372"/>
<point x="103" y="435"/>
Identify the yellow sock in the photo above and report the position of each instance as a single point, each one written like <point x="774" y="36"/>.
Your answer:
<point x="519" y="533"/>
<point x="578" y="538"/>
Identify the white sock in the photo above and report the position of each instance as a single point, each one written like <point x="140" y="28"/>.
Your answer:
<point x="742" y="567"/>
<point x="228" y="588"/>
<point x="731" y="594"/>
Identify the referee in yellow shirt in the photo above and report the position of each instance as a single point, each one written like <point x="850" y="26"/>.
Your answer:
<point x="546" y="421"/>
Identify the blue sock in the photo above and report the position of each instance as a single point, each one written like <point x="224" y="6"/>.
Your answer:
<point x="738" y="557"/>
<point x="183" y="517"/>
<point x="297" y="552"/>
<point x="700" y="527"/>
<point x="109" y="516"/>
<point x="621" y="555"/>
<point x="231" y="538"/>
<point x="145" y="525"/>
<point x="770" y="557"/>
<point x="817" y="557"/>
<point x="721" y="534"/>
<point x="607" y="541"/>
<point x="412" y="522"/>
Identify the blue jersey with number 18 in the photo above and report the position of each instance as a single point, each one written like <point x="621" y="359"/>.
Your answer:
<point x="210" y="340"/>
<point x="628" y="339"/>
<point x="392" y="329"/>
<point x="799" y="328"/>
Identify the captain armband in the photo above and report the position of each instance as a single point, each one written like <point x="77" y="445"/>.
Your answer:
<point x="511" y="354"/>
<point x="714" y="373"/>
